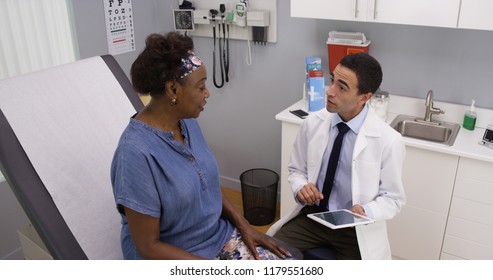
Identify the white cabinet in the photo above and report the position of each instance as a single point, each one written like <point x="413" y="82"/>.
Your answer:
<point x="289" y="132"/>
<point x="330" y="9"/>
<point x="476" y="14"/>
<point x="417" y="232"/>
<point x="443" y="13"/>
<point x="470" y="224"/>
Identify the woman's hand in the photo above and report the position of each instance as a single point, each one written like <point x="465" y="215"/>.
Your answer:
<point x="254" y="238"/>
<point x="251" y="236"/>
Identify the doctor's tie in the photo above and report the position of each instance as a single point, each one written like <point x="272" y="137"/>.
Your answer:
<point x="332" y="166"/>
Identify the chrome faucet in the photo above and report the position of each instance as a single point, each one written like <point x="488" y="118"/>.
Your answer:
<point x="430" y="110"/>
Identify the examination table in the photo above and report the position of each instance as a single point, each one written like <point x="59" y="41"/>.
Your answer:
<point x="59" y="128"/>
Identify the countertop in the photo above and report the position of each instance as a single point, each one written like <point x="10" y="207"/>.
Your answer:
<point x="466" y="143"/>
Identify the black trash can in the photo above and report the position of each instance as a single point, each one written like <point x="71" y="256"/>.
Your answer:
<point x="259" y="195"/>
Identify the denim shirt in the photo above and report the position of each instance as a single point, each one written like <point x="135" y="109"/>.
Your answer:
<point x="158" y="176"/>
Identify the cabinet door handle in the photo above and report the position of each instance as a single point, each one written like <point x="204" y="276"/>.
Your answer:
<point x="375" y="9"/>
<point x="355" y="9"/>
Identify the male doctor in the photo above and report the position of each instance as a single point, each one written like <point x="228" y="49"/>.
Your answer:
<point x="367" y="176"/>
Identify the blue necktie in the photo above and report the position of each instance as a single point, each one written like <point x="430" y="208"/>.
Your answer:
<point x="332" y="166"/>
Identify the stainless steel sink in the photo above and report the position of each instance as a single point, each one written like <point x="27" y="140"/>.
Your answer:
<point x="414" y="127"/>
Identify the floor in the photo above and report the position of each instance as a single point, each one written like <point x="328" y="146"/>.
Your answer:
<point x="235" y="197"/>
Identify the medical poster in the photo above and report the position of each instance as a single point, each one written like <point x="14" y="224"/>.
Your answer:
<point x="119" y="26"/>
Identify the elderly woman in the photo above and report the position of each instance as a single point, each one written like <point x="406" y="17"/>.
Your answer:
<point x="165" y="179"/>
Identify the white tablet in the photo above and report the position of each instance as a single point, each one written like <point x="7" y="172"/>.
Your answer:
<point x="340" y="219"/>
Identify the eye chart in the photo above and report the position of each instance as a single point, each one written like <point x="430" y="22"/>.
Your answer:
<point x="119" y="26"/>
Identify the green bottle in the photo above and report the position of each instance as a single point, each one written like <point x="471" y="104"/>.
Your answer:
<point x="470" y="118"/>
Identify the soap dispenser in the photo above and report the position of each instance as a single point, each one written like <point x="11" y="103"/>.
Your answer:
<point x="470" y="117"/>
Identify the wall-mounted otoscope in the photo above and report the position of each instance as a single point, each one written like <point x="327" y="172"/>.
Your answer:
<point x="213" y="14"/>
<point x="225" y="50"/>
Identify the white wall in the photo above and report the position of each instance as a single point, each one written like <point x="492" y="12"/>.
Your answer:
<point x="91" y="27"/>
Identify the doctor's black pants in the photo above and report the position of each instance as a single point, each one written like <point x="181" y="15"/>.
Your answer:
<point x="304" y="234"/>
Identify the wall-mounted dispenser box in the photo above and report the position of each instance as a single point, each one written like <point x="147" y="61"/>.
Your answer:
<point x="201" y="17"/>
<point x="258" y="18"/>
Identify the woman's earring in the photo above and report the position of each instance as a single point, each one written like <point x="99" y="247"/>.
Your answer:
<point x="174" y="102"/>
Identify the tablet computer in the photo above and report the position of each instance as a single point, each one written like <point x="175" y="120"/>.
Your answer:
<point x="340" y="219"/>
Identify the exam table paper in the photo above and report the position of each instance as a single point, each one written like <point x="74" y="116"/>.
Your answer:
<point x="84" y="108"/>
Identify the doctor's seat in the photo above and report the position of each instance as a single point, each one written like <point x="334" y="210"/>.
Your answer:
<point x="320" y="253"/>
<point x="59" y="128"/>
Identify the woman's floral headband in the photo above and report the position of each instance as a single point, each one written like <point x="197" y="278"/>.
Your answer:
<point x="189" y="63"/>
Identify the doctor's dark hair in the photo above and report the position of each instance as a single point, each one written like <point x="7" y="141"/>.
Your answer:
<point x="159" y="62"/>
<point x="368" y="71"/>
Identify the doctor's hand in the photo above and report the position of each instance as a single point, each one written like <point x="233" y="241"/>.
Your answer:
<point x="358" y="209"/>
<point x="309" y="194"/>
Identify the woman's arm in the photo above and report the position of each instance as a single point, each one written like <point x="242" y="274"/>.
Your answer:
<point x="250" y="235"/>
<point x="144" y="230"/>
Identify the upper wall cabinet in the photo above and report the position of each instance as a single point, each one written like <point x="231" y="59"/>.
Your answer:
<point x="476" y="14"/>
<point x="443" y="13"/>
<point x="355" y="10"/>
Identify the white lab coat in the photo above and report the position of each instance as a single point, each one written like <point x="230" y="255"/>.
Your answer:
<point x="376" y="176"/>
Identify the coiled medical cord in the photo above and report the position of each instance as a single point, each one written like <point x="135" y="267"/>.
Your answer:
<point x="226" y="52"/>
<point x="214" y="58"/>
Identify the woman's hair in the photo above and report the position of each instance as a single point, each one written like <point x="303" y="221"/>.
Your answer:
<point x="368" y="71"/>
<point x="159" y="62"/>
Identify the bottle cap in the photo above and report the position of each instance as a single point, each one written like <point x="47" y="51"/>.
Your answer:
<point x="381" y="94"/>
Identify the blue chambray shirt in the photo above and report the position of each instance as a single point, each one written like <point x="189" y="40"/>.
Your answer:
<point x="178" y="183"/>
